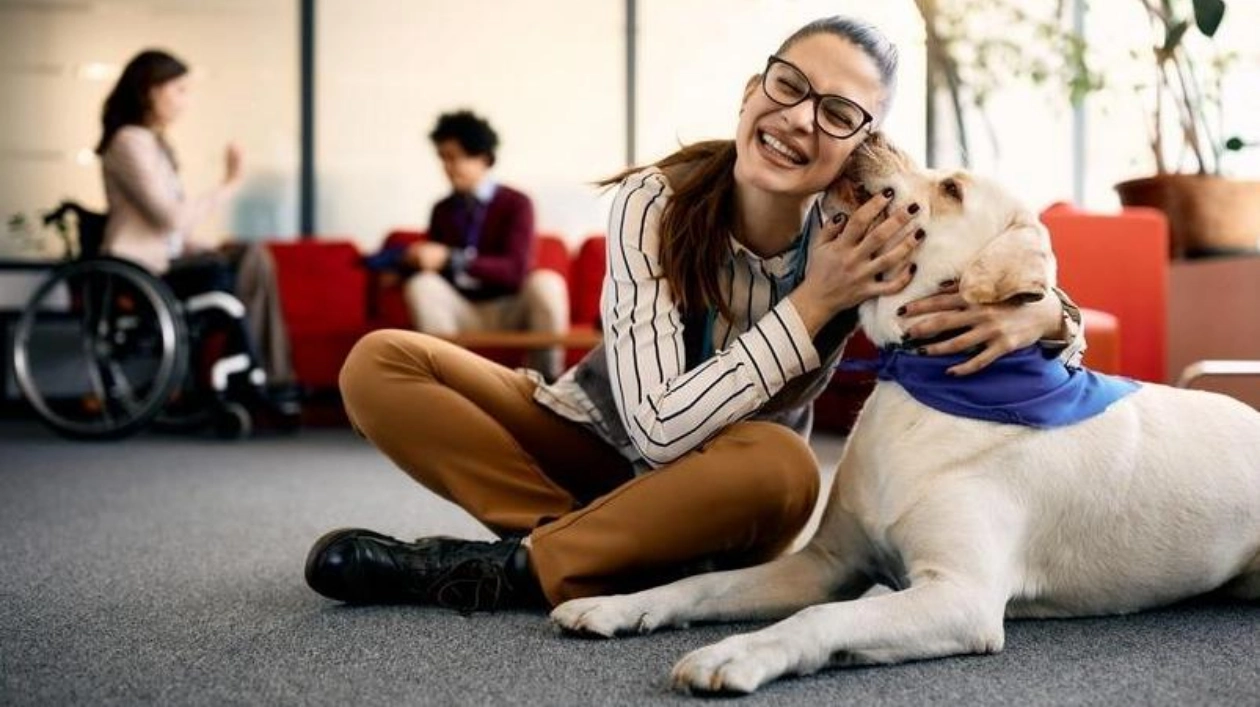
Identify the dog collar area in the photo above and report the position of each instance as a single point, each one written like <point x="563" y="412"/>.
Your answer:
<point x="1025" y="387"/>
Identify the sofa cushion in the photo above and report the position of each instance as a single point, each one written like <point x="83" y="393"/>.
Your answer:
<point x="322" y="285"/>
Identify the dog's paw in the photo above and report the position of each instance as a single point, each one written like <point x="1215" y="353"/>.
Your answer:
<point x="605" y="616"/>
<point x="738" y="664"/>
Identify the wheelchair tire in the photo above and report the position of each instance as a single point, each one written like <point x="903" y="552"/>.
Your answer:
<point x="233" y="421"/>
<point x="126" y="321"/>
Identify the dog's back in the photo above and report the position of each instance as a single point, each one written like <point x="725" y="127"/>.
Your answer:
<point x="1154" y="500"/>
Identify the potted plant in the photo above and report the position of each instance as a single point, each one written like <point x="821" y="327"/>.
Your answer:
<point x="978" y="46"/>
<point x="1207" y="212"/>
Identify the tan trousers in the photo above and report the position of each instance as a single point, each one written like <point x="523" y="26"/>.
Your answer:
<point x="469" y="430"/>
<point x="542" y="305"/>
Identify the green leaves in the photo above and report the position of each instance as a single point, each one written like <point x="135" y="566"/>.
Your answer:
<point x="1208" y="15"/>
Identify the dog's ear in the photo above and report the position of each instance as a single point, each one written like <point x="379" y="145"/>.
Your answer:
<point x="1016" y="267"/>
<point x="877" y="139"/>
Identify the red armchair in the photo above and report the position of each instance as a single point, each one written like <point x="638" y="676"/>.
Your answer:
<point x="1118" y="263"/>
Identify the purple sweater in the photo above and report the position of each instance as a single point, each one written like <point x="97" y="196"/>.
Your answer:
<point x="504" y="247"/>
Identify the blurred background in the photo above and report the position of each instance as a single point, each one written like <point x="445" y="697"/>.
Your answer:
<point x="577" y="89"/>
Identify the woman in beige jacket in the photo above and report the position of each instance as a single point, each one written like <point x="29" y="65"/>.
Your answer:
<point x="153" y="222"/>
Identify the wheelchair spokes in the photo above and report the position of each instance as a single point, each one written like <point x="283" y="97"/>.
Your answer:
<point x="100" y="349"/>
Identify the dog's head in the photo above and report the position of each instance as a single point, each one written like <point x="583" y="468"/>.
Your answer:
<point x="978" y="234"/>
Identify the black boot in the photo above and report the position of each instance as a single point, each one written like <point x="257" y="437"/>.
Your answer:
<point x="362" y="567"/>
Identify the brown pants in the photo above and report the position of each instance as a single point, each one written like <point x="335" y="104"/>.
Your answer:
<point x="469" y="430"/>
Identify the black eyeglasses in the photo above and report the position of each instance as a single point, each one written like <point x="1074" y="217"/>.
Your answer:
<point x="835" y="115"/>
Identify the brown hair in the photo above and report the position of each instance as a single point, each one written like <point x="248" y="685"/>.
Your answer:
<point x="699" y="216"/>
<point x="128" y="103"/>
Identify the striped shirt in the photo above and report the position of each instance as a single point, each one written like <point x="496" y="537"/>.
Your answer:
<point x="664" y="410"/>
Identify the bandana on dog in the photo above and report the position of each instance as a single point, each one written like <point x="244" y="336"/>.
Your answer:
<point x="1022" y="388"/>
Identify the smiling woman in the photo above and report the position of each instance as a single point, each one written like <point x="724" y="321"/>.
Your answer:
<point x="681" y="443"/>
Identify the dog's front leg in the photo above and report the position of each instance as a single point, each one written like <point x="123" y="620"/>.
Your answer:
<point x="935" y="619"/>
<point x="772" y="590"/>
<point x="957" y="544"/>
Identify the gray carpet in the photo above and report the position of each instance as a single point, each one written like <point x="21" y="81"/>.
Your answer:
<point x="169" y="570"/>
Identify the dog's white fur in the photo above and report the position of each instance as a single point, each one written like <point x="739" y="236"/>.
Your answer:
<point x="1155" y="500"/>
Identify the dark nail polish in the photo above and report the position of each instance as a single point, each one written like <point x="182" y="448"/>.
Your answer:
<point x="838" y="218"/>
<point x="913" y="209"/>
<point x="879" y="277"/>
<point x="888" y="193"/>
<point x="914" y="268"/>
<point x="920" y="234"/>
<point x="901" y="311"/>
<point x="922" y="351"/>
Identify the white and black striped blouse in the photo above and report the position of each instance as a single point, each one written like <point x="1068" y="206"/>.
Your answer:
<point x="664" y="410"/>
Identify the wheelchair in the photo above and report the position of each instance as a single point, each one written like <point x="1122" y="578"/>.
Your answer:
<point x="104" y="349"/>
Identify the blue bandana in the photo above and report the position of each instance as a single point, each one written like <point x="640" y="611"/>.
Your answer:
<point x="1022" y="388"/>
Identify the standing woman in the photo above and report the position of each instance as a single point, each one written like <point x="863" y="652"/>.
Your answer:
<point x="153" y="223"/>
<point x="681" y="443"/>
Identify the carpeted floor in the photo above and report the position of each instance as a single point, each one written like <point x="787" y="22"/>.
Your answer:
<point x="169" y="570"/>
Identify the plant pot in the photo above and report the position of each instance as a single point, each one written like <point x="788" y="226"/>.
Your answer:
<point x="1206" y="214"/>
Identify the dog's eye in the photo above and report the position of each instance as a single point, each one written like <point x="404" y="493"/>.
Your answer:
<point x="952" y="189"/>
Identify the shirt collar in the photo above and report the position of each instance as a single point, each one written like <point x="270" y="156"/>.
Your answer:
<point x="484" y="191"/>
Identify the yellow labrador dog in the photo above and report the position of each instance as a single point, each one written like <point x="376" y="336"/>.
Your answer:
<point x="1153" y="499"/>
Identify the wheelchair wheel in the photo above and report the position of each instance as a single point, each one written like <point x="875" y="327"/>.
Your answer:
<point x="100" y="349"/>
<point x="233" y="421"/>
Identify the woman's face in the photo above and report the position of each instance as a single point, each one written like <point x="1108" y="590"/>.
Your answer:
<point x="168" y="100"/>
<point x="780" y="149"/>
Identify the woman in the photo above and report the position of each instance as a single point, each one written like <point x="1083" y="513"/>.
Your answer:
<point x="681" y="444"/>
<point x="152" y="222"/>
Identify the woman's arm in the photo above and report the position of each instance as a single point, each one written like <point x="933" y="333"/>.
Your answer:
<point x="667" y="411"/>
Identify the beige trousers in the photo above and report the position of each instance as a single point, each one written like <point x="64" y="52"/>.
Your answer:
<point x="469" y="430"/>
<point x="258" y="290"/>
<point x="541" y="306"/>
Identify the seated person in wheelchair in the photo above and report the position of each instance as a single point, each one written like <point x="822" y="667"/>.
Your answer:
<point x="153" y="223"/>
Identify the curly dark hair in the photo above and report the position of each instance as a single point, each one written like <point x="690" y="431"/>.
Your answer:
<point x="472" y="133"/>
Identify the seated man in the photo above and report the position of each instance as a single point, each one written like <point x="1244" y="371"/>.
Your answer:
<point x="473" y="272"/>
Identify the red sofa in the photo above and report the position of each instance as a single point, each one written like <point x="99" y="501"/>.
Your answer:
<point x="330" y="300"/>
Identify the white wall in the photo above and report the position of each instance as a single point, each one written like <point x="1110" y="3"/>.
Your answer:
<point x="58" y="60"/>
<point x="548" y="74"/>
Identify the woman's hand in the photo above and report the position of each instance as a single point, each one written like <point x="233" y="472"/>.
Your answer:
<point x="233" y="163"/>
<point x="852" y="260"/>
<point x="997" y="328"/>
